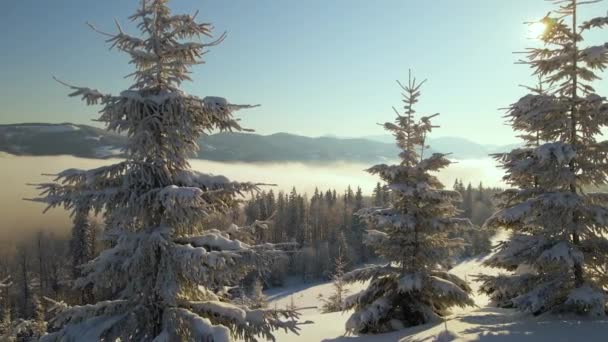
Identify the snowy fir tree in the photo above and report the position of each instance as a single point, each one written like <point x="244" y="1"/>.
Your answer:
<point x="166" y="270"/>
<point x="557" y="256"/>
<point x="256" y="295"/>
<point x="38" y="321"/>
<point x="411" y="234"/>
<point x="335" y="301"/>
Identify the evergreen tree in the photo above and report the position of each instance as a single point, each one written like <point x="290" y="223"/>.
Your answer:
<point x="386" y="196"/>
<point x="82" y="248"/>
<point x="479" y="195"/>
<point x="293" y="214"/>
<point x="165" y="268"/>
<point x="38" y="319"/>
<point x="271" y="205"/>
<point x="558" y="251"/>
<point x="359" y="251"/>
<point x="467" y="203"/>
<point x="342" y="250"/>
<point x="43" y="277"/>
<point x="256" y="295"/>
<point x="335" y="301"/>
<point x="358" y="200"/>
<point x="24" y="280"/>
<point x="378" y="195"/>
<point x="281" y="219"/>
<point x="5" y="308"/>
<point x="329" y="198"/>
<point x="349" y="196"/>
<point x="412" y="288"/>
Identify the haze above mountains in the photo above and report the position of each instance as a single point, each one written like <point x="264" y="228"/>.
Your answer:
<point x="43" y="139"/>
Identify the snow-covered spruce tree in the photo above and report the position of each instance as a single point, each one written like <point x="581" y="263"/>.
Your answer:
<point x="335" y="301"/>
<point x="256" y="295"/>
<point x="558" y="253"/>
<point x="411" y="235"/>
<point x="165" y="270"/>
<point x="38" y="321"/>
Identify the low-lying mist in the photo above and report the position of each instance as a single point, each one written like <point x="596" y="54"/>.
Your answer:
<point x="19" y="218"/>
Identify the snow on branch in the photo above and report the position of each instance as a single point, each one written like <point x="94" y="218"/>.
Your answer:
<point x="91" y="96"/>
<point x="213" y="240"/>
<point x="65" y="314"/>
<point x="410" y="282"/>
<point x="521" y="248"/>
<point x="200" y="328"/>
<point x="367" y="273"/>
<point x="561" y="252"/>
<point x="6" y="282"/>
<point x="598" y="22"/>
<point x="174" y="197"/>
<point x="450" y="292"/>
<point x="587" y="300"/>
<point x="218" y="310"/>
<point x="595" y="56"/>
<point x="368" y="316"/>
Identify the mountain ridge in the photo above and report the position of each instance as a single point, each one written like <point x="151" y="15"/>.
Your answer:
<point x="43" y="139"/>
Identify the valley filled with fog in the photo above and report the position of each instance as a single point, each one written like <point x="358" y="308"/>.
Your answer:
<point x="19" y="218"/>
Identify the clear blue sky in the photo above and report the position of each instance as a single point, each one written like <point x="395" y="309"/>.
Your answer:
<point x="316" y="66"/>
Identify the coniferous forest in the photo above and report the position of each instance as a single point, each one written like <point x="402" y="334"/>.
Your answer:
<point x="160" y="251"/>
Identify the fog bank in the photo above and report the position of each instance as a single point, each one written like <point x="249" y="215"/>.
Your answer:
<point x="19" y="217"/>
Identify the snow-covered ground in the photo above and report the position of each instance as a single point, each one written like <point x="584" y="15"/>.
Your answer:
<point x="481" y="323"/>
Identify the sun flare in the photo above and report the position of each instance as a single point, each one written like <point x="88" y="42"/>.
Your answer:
<point x="537" y="30"/>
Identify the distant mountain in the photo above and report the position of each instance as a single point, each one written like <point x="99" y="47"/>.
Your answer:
<point x="289" y="147"/>
<point x="460" y="148"/>
<point x="43" y="139"/>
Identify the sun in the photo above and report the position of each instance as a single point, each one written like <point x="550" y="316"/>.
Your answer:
<point x="537" y="29"/>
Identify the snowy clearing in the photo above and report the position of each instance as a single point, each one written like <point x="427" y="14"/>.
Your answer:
<point x="483" y="323"/>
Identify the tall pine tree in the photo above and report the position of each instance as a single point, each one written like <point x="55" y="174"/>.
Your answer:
<point x="411" y="235"/>
<point x="558" y="251"/>
<point x="165" y="268"/>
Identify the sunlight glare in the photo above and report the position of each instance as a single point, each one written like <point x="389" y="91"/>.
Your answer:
<point x="537" y="29"/>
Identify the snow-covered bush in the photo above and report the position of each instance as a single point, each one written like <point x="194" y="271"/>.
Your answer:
<point x="166" y="270"/>
<point x="558" y="251"/>
<point x="412" y="235"/>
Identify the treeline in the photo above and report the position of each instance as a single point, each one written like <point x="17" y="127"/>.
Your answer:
<point x="325" y="225"/>
<point x="477" y="205"/>
<point x="35" y="269"/>
<point x="477" y="202"/>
